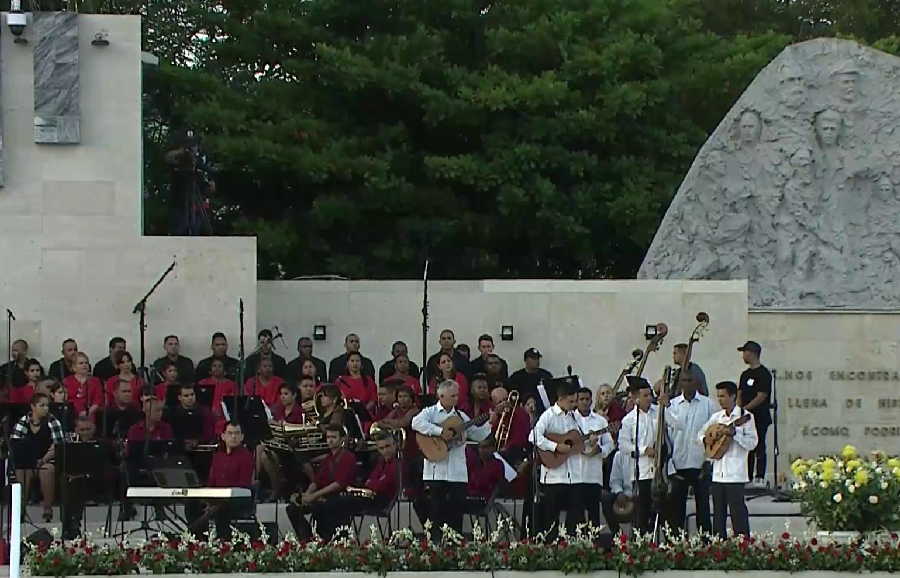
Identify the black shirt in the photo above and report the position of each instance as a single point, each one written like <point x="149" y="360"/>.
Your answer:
<point x="12" y="369"/>
<point x="59" y="370"/>
<point x="755" y="381"/>
<point x="296" y="364"/>
<point x="251" y="364"/>
<point x="114" y="422"/>
<point x="526" y="384"/>
<point x="338" y="367"/>
<point x="185" y="369"/>
<point x="479" y="365"/>
<point x="105" y="369"/>
<point x="232" y="366"/>
<point x="387" y="370"/>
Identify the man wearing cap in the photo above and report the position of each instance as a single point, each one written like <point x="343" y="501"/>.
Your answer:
<point x="754" y="392"/>
<point x="526" y="380"/>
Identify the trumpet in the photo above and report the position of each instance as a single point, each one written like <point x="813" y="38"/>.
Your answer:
<point x="504" y="425"/>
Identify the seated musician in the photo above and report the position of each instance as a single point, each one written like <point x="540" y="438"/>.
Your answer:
<point x="379" y="490"/>
<point x="191" y="422"/>
<point x="485" y="474"/>
<point x="169" y="372"/>
<point x="152" y="425"/>
<point x="354" y="385"/>
<point x="335" y="473"/>
<point x="620" y="491"/>
<point x="232" y="467"/>
<point x="221" y="384"/>
<point x="401" y="417"/>
<point x="479" y="396"/>
<point x="124" y="373"/>
<point x="403" y="374"/>
<point x="518" y="445"/>
<point x="265" y="383"/>
<point x="387" y="399"/>
<point x="117" y="418"/>
<point x="84" y="390"/>
<point x="33" y="444"/>
<point x="331" y="406"/>
<point x="85" y="429"/>
<point x="287" y="410"/>
<point x="307" y="398"/>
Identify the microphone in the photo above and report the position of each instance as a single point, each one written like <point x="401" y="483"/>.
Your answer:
<point x="10" y="315"/>
<point x="569" y="369"/>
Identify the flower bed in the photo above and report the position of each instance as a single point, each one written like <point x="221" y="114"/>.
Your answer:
<point x="402" y="552"/>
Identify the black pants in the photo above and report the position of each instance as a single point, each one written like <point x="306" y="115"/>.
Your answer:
<point x="729" y="498"/>
<point x="324" y="513"/>
<point x="557" y="497"/>
<point x="696" y="478"/>
<point x="445" y="501"/>
<point x="591" y="496"/>
<point x="644" y="506"/>
<point x="758" y="455"/>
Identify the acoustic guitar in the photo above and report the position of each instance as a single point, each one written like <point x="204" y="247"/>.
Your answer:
<point x="573" y="438"/>
<point x="718" y="437"/>
<point x="436" y="448"/>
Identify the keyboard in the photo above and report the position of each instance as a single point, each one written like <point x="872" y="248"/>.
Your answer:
<point x="187" y="493"/>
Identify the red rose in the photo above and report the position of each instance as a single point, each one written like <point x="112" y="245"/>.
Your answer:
<point x="785" y="536"/>
<point x="251" y="567"/>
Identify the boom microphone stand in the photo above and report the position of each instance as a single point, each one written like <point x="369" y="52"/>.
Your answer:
<point x="424" y="370"/>
<point x="141" y="308"/>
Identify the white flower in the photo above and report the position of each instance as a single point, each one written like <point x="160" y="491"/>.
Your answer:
<point x="837" y="497"/>
<point x="823" y="484"/>
<point x="851" y="488"/>
<point x="873" y="499"/>
<point x="884" y="485"/>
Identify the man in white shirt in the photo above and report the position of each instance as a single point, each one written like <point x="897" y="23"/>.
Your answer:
<point x="445" y="481"/>
<point x="730" y="471"/>
<point x="688" y="466"/>
<point x="620" y="477"/>
<point x="596" y="449"/>
<point x="559" y="486"/>
<point x="642" y="421"/>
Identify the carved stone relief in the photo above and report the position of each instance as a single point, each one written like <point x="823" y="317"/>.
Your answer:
<point x="797" y="188"/>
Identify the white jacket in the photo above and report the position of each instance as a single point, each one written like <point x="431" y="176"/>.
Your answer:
<point x="592" y="466"/>
<point x="687" y="452"/>
<point x="732" y="467"/>
<point x="646" y="436"/>
<point x="453" y="469"/>
<point x="555" y="420"/>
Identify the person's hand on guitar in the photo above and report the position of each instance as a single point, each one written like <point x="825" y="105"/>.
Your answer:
<point x="594" y="444"/>
<point x="448" y="434"/>
<point x="650" y="452"/>
<point x="563" y="449"/>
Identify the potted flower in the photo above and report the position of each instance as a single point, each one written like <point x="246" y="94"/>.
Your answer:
<point x="847" y="495"/>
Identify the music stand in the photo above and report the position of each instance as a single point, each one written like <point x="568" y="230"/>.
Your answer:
<point x="187" y="424"/>
<point x="114" y="422"/>
<point x="205" y="395"/>
<point x="251" y="414"/>
<point x="82" y="472"/>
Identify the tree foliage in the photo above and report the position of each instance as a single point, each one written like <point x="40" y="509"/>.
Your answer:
<point x="526" y="138"/>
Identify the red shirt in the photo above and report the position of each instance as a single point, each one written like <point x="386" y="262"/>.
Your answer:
<point x="267" y="390"/>
<point x="161" y="391"/>
<point x="519" y="429"/>
<point x="340" y="468"/>
<point x="112" y="386"/>
<point x="409" y="381"/>
<point x="463" y="389"/>
<point x="231" y="470"/>
<point x="484" y="406"/>
<point x="222" y="387"/>
<point x="360" y="389"/>
<point x="615" y="413"/>
<point x="381" y="411"/>
<point x="21" y="394"/>
<point x="162" y="431"/>
<point x="86" y="395"/>
<point x="295" y="415"/>
<point x="483" y="476"/>
<point x="383" y="479"/>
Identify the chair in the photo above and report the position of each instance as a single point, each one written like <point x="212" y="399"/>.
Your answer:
<point x="484" y="513"/>
<point x="382" y="515"/>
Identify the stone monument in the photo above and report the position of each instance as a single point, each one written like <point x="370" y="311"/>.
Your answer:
<point x="796" y="190"/>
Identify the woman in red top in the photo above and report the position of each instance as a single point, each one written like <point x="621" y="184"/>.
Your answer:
<point x="401" y="374"/>
<point x="125" y="364"/>
<point x="33" y="373"/>
<point x="610" y="408"/>
<point x="169" y="372"/>
<point x="221" y="385"/>
<point x="448" y="372"/>
<point x="85" y="392"/>
<point x="265" y="384"/>
<point x="355" y="386"/>
<point x="308" y="369"/>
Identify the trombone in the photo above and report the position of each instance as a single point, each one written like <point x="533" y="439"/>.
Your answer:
<point x="504" y="425"/>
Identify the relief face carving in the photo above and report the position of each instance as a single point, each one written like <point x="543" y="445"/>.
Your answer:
<point x="797" y="189"/>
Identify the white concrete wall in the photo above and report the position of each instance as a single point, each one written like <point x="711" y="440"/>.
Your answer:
<point x="73" y="260"/>
<point x="590" y="325"/>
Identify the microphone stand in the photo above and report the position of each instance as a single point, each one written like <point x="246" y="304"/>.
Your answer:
<point x="535" y="479"/>
<point x="778" y="495"/>
<point x="635" y="482"/>
<point x="241" y="361"/>
<point x="424" y="370"/>
<point x="141" y="308"/>
<point x="9" y="366"/>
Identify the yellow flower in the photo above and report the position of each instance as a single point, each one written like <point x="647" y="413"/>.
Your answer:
<point x="828" y="464"/>
<point x="828" y="475"/>
<point x="862" y="477"/>
<point x="853" y="464"/>
<point x="893" y="463"/>
<point x="848" y="452"/>
<point x="798" y="467"/>
<point x="897" y="473"/>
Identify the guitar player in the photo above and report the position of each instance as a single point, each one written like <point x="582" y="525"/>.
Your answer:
<point x="596" y="449"/>
<point x="445" y="480"/>
<point x="560" y="485"/>
<point x="730" y="472"/>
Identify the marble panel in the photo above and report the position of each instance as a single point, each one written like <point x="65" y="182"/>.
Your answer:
<point x="57" y="106"/>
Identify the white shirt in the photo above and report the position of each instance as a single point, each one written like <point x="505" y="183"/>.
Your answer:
<point x="732" y="467"/>
<point x="622" y="475"/>
<point x="646" y="436"/>
<point x="592" y="466"/>
<point x="453" y="468"/>
<point x="557" y="421"/>
<point x="687" y="452"/>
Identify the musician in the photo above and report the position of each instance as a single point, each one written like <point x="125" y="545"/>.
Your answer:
<point x="265" y="384"/>
<point x="65" y="365"/>
<point x="152" y="426"/>
<point x="338" y="366"/>
<point x="125" y="373"/>
<point x="335" y="473"/>
<point x="287" y="410"/>
<point x="620" y="488"/>
<point x="731" y="471"/>
<point x="307" y="392"/>
<point x="446" y="480"/>
<point x="527" y="379"/>
<point x="222" y="385"/>
<point x="379" y="490"/>
<point x="403" y="373"/>
<point x="387" y="399"/>
<point x="679" y="352"/>
<point x="560" y="485"/>
<point x="486" y="350"/>
<point x="356" y="386"/>
<point x="447" y="342"/>
<point x="389" y="368"/>
<point x="121" y="414"/>
<point x="331" y="404"/>
<point x="486" y="472"/>
<point x="687" y="465"/>
<point x="35" y="437"/>
<point x="33" y="375"/>
<point x="596" y="449"/>
<point x="517" y="444"/>
<point x="84" y="390"/>
<point x="644" y="418"/>
<point x="445" y="371"/>
<point x="265" y="350"/>
<point x="191" y="422"/>
<point x="85" y="429"/>
<point x="480" y="401"/>
<point x="755" y="391"/>
<point x="107" y="367"/>
<point x="170" y="374"/>
<point x="219" y="347"/>
<point x="232" y="467"/>
<point x="183" y="364"/>
<point x="296" y="369"/>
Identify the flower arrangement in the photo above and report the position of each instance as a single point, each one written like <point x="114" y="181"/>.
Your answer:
<point x="402" y="551"/>
<point x="849" y="491"/>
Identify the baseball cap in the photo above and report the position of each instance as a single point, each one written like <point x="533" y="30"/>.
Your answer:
<point x="751" y="346"/>
<point x="532" y="352"/>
